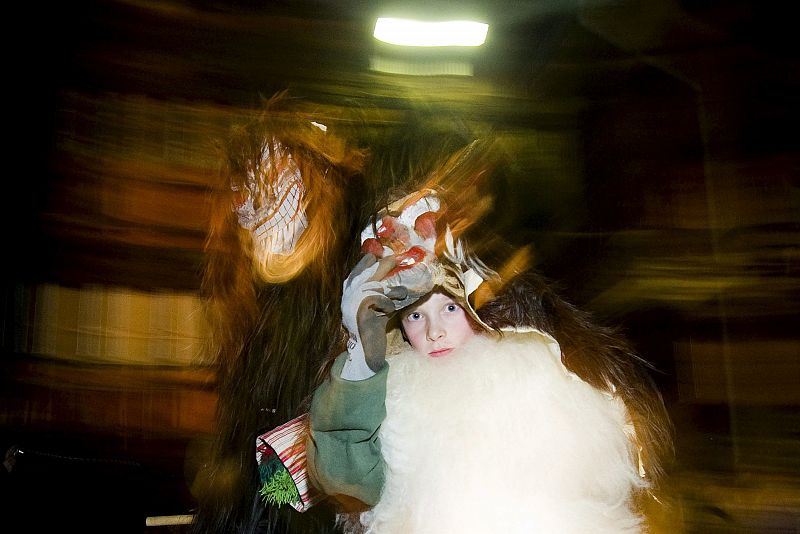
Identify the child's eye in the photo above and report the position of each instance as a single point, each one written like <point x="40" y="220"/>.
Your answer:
<point x="452" y="307"/>
<point x="414" y="316"/>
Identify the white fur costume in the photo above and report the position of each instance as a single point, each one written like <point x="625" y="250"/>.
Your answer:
<point x="498" y="437"/>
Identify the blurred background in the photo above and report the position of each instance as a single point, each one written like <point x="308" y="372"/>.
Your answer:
<point x="654" y="173"/>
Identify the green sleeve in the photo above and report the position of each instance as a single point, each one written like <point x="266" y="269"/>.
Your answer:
<point x="343" y="449"/>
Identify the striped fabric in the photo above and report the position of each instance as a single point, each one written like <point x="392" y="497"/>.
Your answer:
<point x="286" y="441"/>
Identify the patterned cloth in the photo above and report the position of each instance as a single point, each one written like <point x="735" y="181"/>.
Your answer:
<point x="281" y="452"/>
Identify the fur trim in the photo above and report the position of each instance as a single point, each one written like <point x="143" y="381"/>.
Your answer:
<point x="499" y="437"/>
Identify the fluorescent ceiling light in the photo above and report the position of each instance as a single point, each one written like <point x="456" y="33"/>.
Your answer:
<point x="406" y="32"/>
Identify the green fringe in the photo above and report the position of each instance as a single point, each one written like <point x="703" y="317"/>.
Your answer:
<point x="270" y="464"/>
<point x="279" y="489"/>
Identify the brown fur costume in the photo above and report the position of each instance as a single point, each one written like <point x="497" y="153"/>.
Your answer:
<point x="272" y="323"/>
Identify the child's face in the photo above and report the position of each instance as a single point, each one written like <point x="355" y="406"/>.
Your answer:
<point x="437" y="325"/>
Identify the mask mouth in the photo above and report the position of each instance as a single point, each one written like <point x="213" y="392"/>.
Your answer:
<point x="408" y="260"/>
<point x="273" y="211"/>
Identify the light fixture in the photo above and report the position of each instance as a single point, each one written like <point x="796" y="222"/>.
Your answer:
<point x="408" y="32"/>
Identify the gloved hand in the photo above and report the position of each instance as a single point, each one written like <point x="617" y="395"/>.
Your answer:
<point x="367" y="304"/>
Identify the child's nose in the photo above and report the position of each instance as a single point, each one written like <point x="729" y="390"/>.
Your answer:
<point x="435" y="330"/>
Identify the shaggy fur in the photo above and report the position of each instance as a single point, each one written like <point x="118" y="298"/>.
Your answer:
<point x="270" y="338"/>
<point x="598" y="354"/>
<point x="500" y="437"/>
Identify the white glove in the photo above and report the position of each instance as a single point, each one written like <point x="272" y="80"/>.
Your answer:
<point x="367" y="304"/>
